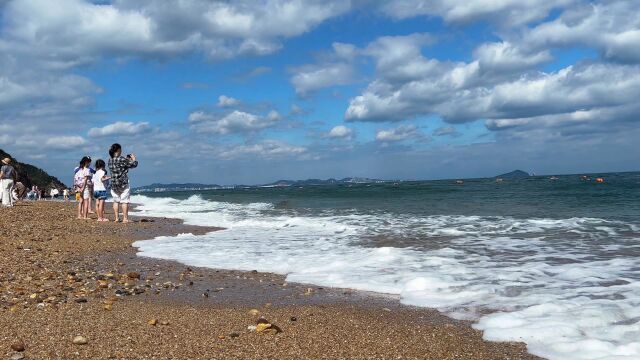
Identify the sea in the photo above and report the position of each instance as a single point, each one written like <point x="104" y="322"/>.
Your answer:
<point x="553" y="263"/>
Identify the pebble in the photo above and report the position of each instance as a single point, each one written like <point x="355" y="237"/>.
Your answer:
<point x="80" y="340"/>
<point x="262" y="327"/>
<point x="309" y="291"/>
<point x="164" y="322"/>
<point x="265" y="326"/>
<point x="18" y="346"/>
<point x="254" y="312"/>
<point x="293" y="318"/>
<point x="152" y="322"/>
<point x="17" y="356"/>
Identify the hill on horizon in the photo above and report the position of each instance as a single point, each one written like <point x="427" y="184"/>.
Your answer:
<point x="515" y="174"/>
<point x="30" y="175"/>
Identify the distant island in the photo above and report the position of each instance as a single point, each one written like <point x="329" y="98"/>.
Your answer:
<point x="516" y="174"/>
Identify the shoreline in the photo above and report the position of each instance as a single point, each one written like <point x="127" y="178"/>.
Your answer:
<point x="61" y="277"/>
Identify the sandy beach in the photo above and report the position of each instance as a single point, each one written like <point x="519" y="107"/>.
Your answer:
<point x="72" y="289"/>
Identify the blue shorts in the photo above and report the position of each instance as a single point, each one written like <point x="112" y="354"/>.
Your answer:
<point x="100" y="195"/>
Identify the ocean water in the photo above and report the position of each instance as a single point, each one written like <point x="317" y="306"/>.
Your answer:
<point x="555" y="264"/>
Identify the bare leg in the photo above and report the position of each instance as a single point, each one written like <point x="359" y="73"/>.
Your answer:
<point x="116" y="211"/>
<point x="101" y="212"/>
<point x="85" y="210"/>
<point x="125" y="213"/>
<point x="80" y="209"/>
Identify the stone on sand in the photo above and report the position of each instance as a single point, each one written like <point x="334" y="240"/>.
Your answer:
<point x="18" y="346"/>
<point x="80" y="340"/>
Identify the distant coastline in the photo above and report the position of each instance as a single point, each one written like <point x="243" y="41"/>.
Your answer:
<point x="178" y="187"/>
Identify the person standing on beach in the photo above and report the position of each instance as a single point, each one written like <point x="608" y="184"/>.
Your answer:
<point x="8" y="177"/>
<point x="91" y="172"/>
<point x="65" y="195"/>
<point x="100" y="180"/>
<point x="81" y="180"/>
<point x="119" y="167"/>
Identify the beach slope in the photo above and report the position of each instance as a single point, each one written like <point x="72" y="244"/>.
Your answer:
<point x="72" y="289"/>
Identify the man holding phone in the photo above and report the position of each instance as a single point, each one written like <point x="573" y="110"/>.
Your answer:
<point x="120" y="191"/>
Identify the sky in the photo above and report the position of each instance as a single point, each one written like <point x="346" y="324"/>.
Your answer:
<point x="249" y="92"/>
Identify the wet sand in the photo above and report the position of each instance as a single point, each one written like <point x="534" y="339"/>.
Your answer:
<point x="61" y="278"/>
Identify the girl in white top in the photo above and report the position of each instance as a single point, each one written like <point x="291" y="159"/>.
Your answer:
<point x="100" y="184"/>
<point x="82" y="184"/>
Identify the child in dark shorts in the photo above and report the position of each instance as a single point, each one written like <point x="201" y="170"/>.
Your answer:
<point x="100" y="180"/>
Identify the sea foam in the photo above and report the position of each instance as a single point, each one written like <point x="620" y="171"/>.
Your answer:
<point x="568" y="288"/>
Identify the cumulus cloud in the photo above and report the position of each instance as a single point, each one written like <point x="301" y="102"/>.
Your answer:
<point x="334" y="68"/>
<point x="612" y="28"/>
<point x="398" y="58"/>
<point x="500" y="57"/>
<point x="506" y="12"/>
<point x="227" y="101"/>
<point x="65" y="142"/>
<point x="266" y="149"/>
<point x="500" y="85"/>
<point x="120" y="128"/>
<point x="232" y="123"/>
<point x="80" y="31"/>
<point x="20" y="88"/>
<point x="340" y="131"/>
<point x="400" y="133"/>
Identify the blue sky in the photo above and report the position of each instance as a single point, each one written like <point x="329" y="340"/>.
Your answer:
<point x="251" y="92"/>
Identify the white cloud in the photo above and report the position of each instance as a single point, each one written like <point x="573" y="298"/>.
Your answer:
<point x="314" y="77"/>
<point x="20" y="87"/>
<point x="230" y="123"/>
<point x="79" y="31"/>
<point x="612" y="28"/>
<point x="401" y="133"/>
<point x="506" y="12"/>
<point x="496" y="85"/>
<point x="500" y="57"/>
<point x="64" y="142"/>
<point x="265" y="149"/>
<point x="227" y="101"/>
<point x="334" y="68"/>
<point x="120" y="128"/>
<point x="340" y="131"/>
<point x="398" y="58"/>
